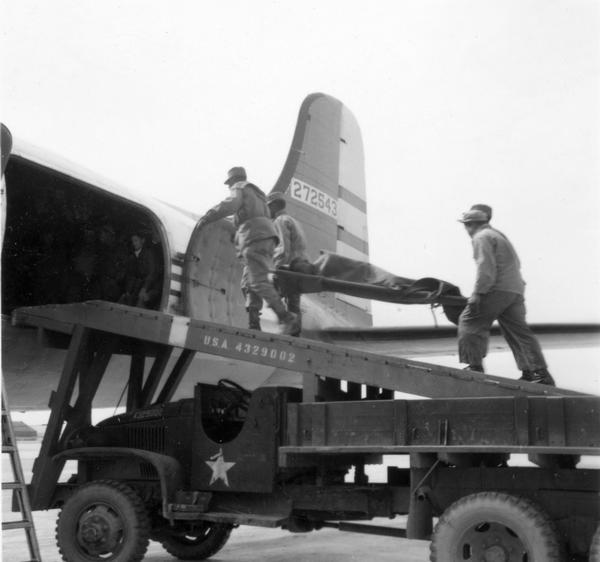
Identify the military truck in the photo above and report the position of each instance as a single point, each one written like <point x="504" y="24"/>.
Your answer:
<point x="186" y="472"/>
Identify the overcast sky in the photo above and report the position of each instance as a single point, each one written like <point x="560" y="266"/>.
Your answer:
<point x="459" y="102"/>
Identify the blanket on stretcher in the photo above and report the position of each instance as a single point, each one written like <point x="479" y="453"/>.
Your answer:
<point x="335" y="273"/>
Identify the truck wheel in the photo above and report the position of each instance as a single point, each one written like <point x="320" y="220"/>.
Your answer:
<point x="595" y="546"/>
<point x="103" y="520"/>
<point x="494" y="526"/>
<point x="208" y="539"/>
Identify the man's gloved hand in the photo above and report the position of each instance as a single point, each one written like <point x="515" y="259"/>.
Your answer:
<point x="207" y="218"/>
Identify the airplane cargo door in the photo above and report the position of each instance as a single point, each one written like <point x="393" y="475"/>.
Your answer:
<point x="211" y="276"/>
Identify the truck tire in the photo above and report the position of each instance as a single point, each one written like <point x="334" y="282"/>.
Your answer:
<point x="494" y="526"/>
<point x="203" y="544"/>
<point x="595" y="546"/>
<point x="102" y="520"/>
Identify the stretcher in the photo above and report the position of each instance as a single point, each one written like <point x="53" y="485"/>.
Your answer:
<point x="335" y="273"/>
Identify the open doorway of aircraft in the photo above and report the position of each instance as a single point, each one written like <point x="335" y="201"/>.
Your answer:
<point x="67" y="233"/>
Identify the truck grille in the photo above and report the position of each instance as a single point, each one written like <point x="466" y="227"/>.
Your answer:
<point x="147" y="470"/>
<point x="147" y="438"/>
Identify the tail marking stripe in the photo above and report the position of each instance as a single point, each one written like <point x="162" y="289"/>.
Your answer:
<point x="353" y="241"/>
<point x="352" y="199"/>
<point x="348" y="251"/>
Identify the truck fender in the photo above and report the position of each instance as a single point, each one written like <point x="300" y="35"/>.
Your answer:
<point x="169" y="470"/>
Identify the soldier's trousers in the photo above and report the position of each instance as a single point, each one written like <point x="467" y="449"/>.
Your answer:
<point x="509" y="309"/>
<point x="257" y="258"/>
<point x="292" y="302"/>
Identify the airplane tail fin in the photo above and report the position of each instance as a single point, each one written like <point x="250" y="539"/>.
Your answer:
<point x="324" y="180"/>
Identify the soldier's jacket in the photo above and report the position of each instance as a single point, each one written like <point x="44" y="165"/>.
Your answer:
<point x="248" y="205"/>
<point x="292" y="241"/>
<point x="498" y="266"/>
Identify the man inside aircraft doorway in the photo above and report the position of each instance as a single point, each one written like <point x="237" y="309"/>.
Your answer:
<point x="498" y="295"/>
<point x="142" y="284"/>
<point x="255" y="241"/>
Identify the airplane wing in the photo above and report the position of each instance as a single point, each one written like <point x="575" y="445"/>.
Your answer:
<point x="425" y="341"/>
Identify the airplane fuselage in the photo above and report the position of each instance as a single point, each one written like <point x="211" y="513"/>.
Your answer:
<point x="55" y="249"/>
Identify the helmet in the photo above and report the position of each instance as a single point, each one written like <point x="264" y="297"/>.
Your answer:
<point x="237" y="173"/>
<point x="275" y="196"/>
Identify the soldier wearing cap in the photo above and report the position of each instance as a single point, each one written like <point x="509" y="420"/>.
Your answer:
<point x="255" y="241"/>
<point x="292" y="242"/>
<point x="482" y="207"/>
<point x="498" y="295"/>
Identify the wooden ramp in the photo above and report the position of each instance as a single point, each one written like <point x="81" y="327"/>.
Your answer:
<point x="320" y="362"/>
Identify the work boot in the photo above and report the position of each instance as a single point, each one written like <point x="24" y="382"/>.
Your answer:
<point x="290" y="324"/>
<point x="540" y="376"/>
<point x="478" y="368"/>
<point x="526" y="375"/>
<point x="544" y="377"/>
<point x="254" y="318"/>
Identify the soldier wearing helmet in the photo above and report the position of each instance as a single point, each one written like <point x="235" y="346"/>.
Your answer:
<point x="498" y="295"/>
<point x="255" y="241"/>
<point x="292" y="242"/>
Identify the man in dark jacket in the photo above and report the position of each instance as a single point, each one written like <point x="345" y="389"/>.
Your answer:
<point x="142" y="284"/>
<point x="498" y="295"/>
<point x="255" y="241"/>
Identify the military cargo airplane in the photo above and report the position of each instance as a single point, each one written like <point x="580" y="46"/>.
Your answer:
<point x="53" y="242"/>
<point x="64" y="224"/>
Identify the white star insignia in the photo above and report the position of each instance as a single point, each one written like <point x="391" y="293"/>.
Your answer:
<point x="219" y="467"/>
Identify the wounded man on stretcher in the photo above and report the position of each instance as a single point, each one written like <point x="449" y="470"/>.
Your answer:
<point x="335" y="273"/>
